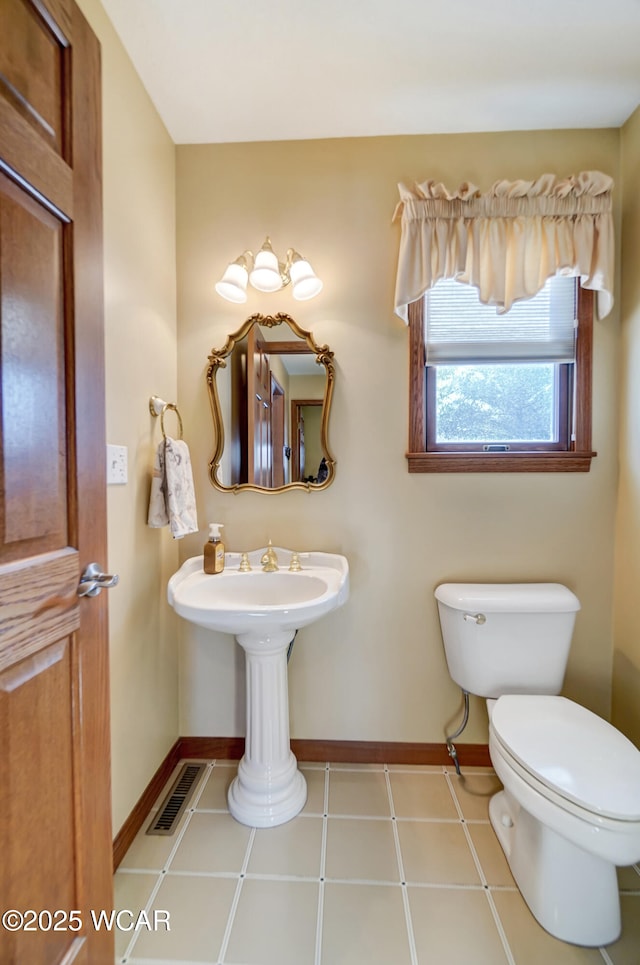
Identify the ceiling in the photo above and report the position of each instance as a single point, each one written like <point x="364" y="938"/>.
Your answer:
<point x="224" y="71"/>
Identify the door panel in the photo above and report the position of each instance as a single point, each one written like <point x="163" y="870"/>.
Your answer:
<point x="34" y="456"/>
<point x="55" y="839"/>
<point x="36" y="97"/>
<point x="38" y="604"/>
<point x="38" y="768"/>
<point x="32" y="70"/>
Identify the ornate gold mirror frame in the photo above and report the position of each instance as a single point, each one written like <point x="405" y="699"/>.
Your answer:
<point x="218" y="360"/>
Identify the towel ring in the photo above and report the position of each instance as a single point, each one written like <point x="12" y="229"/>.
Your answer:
<point x="170" y="405"/>
<point x="158" y="407"/>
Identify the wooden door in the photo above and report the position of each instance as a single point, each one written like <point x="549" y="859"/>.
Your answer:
<point x="259" y="411"/>
<point x="55" y="833"/>
<point x="277" y="432"/>
<point x="297" y="420"/>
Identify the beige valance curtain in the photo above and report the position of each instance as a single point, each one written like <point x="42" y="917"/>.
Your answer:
<point x="508" y="241"/>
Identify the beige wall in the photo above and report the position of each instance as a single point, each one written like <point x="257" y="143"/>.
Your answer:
<point x="626" y="660"/>
<point x="375" y="670"/>
<point x="140" y="348"/>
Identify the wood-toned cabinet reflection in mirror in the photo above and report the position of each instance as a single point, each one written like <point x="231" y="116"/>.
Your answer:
<point x="270" y="388"/>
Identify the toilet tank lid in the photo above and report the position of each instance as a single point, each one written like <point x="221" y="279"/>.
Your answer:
<point x="508" y="597"/>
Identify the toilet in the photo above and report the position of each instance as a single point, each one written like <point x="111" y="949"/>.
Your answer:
<point x="569" y="811"/>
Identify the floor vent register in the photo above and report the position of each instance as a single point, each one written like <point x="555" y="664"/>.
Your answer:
<point x="174" y="804"/>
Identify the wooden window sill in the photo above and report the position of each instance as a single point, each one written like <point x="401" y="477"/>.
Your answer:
<point x="500" y="462"/>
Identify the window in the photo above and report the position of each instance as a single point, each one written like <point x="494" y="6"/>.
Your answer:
<point x="501" y="393"/>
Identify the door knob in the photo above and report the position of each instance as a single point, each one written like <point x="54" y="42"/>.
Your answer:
<point x="93" y="580"/>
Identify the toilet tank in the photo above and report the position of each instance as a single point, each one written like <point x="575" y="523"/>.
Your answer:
<point x="507" y="638"/>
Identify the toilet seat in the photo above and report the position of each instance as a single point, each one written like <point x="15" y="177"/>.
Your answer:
<point x="576" y="755"/>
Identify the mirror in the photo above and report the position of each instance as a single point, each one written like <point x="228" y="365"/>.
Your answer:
<point x="270" y="388"/>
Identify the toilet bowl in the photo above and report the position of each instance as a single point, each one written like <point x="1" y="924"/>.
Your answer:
<point x="568" y="814"/>
<point x="569" y="811"/>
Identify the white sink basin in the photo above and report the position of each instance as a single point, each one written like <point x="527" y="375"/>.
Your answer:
<point x="238" y="603"/>
<point x="264" y="612"/>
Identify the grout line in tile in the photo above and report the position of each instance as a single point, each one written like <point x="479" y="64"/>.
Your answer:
<point x="474" y="855"/>
<point x="179" y="836"/>
<point x="415" y="820"/>
<point x="212" y="810"/>
<point x="134" y="938"/>
<point x="325" y="800"/>
<point x="202" y="874"/>
<point x="323" y="866"/>
<point x="498" y="923"/>
<point x="453" y="794"/>
<point x="472" y="769"/>
<point x="141" y="871"/>
<point x="264" y="876"/>
<point x="374" y="882"/>
<point x="483" y="879"/>
<point x="162" y="961"/>
<point x="236" y="898"/>
<point x="405" y="897"/>
<point x="415" y="769"/>
<point x="361" y="769"/>
<point x="204" y="780"/>
<point x="447" y="886"/>
<point x="369" y="817"/>
<point x="319" y="925"/>
<point x="396" y="837"/>
<point x="467" y="834"/>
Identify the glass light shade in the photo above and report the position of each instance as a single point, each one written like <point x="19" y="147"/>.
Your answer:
<point x="265" y="275"/>
<point x="233" y="284"/>
<point x="304" y="281"/>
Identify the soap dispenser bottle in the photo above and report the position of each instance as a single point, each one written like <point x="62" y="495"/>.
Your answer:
<point x="214" y="550"/>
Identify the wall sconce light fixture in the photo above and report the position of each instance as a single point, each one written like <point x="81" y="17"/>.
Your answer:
<point x="267" y="274"/>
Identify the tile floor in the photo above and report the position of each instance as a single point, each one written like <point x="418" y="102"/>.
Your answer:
<point x="385" y="866"/>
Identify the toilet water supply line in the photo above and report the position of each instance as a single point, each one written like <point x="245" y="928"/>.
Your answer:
<point x="453" y="754"/>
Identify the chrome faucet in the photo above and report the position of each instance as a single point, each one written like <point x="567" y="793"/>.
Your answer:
<point x="269" y="560"/>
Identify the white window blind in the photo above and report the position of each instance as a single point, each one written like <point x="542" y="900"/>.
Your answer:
<point x="459" y="328"/>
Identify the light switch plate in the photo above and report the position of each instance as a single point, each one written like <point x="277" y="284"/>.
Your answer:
<point x="116" y="465"/>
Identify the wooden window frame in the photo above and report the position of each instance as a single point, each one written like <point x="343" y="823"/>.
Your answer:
<point x="575" y="458"/>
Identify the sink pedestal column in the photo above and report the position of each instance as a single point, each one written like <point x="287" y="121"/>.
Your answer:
<point x="268" y="789"/>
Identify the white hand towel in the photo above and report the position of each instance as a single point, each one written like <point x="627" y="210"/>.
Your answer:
<point x="172" y="499"/>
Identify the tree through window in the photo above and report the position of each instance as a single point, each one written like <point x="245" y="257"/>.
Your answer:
<point x="509" y="392"/>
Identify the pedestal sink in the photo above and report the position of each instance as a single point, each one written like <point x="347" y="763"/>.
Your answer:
<point x="263" y="611"/>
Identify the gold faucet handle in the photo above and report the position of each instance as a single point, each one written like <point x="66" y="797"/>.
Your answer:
<point x="245" y="565"/>
<point x="294" y="565"/>
<point x="269" y="560"/>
